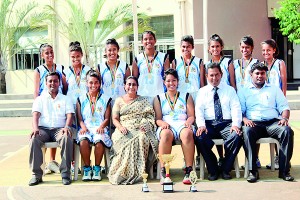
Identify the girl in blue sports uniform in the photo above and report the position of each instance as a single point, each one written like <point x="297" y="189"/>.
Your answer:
<point x="39" y="81"/>
<point x="215" y="48"/>
<point x="243" y="65"/>
<point x="113" y="71"/>
<point x="189" y="68"/>
<point x="93" y="114"/>
<point x="149" y="67"/>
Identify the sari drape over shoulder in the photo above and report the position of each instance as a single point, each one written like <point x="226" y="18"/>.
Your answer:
<point x="134" y="153"/>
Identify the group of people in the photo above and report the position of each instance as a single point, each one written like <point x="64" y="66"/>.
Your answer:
<point x="140" y="113"/>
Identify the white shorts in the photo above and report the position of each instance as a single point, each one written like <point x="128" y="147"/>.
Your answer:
<point x="175" y="130"/>
<point x="94" y="137"/>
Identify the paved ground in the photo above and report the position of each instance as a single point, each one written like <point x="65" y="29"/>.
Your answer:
<point x="15" y="174"/>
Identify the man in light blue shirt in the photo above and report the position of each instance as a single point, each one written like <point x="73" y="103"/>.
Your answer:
<point x="218" y="116"/>
<point x="265" y="114"/>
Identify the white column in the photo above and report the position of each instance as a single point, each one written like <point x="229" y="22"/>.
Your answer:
<point x="135" y="29"/>
<point x="182" y="17"/>
<point x="205" y="34"/>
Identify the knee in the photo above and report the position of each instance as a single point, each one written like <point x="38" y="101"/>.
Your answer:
<point x="84" y="143"/>
<point x="187" y="136"/>
<point x="166" y="136"/>
<point x="287" y="131"/>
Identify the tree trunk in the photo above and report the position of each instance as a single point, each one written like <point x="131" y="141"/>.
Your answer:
<point x="2" y="83"/>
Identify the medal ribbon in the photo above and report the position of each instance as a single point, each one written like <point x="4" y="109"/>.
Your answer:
<point x="187" y="68"/>
<point x="243" y="69"/>
<point x="53" y="67"/>
<point x="269" y="71"/>
<point x="92" y="104"/>
<point x="113" y="71"/>
<point x="172" y="103"/>
<point x="149" y="63"/>
<point x="78" y="76"/>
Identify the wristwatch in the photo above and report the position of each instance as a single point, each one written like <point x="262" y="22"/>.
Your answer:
<point x="286" y="119"/>
<point x="68" y="127"/>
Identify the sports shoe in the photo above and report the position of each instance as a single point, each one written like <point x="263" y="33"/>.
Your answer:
<point x="197" y="163"/>
<point x="54" y="166"/>
<point x="96" y="173"/>
<point x="258" y="165"/>
<point x="186" y="179"/>
<point x="162" y="175"/>
<point x="47" y="170"/>
<point x="276" y="163"/>
<point x="73" y="169"/>
<point x="87" y="173"/>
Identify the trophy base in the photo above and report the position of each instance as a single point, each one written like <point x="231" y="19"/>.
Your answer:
<point x="193" y="189"/>
<point x="145" y="189"/>
<point x="168" y="187"/>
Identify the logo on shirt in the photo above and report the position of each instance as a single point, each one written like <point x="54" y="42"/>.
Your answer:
<point x="193" y="69"/>
<point x="99" y="109"/>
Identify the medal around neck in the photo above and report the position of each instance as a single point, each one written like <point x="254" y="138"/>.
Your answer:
<point x="193" y="177"/>
<point x="168" y="183"/>
<point x="145" y="186"/>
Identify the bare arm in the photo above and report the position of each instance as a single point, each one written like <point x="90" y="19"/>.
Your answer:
<point x="202" y="75"/>
<point x="127" y="73"/>
<point x="36" y="82"/>
<point x="232" y="75"/>
<point x="167" y="64"/>
<point x="158" y="115"/>
<point x="283" y="77"/>
<point x="80" y="120"/>
<point x="35" y="124"/>
<point x="135" y="69"/>
<point x="116" y="117"/>
<point x="105" y="122"/>
<point x="65" y="85"/>
<point x="173" y="64"/>
<point x="190" y="109"/>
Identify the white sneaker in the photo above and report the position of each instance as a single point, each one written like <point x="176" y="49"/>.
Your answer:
<point x="96" y="173"/>
<point x="276" y="163"/>
<point x="47" y="170"/>
<point x="54" y="166"/>
<point x="87" y="173"/>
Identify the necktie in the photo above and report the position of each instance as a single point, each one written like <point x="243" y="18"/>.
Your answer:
<point x="217" y="106"/>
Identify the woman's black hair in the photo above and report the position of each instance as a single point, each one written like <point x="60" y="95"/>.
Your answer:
<point x="247" y="40"/>
<point x="93" y="73"/>
<point x="216" y="38"/>
<point x="172" y="72"/>
<point x="188" y="38"/>
<point x="75" y="46"/>
<point x="44" y="45"/>
<point x="148" y="32"/>
<point x="272" y="43"/>
<point x="112" y="41"/>
<point x="132" y="77"/>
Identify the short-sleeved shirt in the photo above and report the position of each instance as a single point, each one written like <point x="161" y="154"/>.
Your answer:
<point x="75" y="90"/>
<point x="53" y="111"/>
<point x="151" y="84"/>
<point x="43" y="71"/>
<point x="108" y="87"/>
<point x="224" y="64"/>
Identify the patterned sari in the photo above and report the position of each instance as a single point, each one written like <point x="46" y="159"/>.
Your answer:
<point x="134" y="153"/>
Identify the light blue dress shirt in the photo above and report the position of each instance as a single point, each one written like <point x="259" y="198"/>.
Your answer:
<point x="230" y="104"/>
<point x="262" y="104"/>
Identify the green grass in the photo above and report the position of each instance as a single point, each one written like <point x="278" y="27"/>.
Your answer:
<point x="14" y="132"/>
<point x="295" y="124"/>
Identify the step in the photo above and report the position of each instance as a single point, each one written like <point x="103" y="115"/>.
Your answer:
<point x="16" y="112"/>
<point x="293" y="95"/>
<point x="22" y="103"/>
<point x="15" y="96"/>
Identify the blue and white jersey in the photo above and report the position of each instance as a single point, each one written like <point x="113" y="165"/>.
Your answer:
<point x="43" y="71"/>
<point x="75" y="90"/>
<point x="151" y="84"/>
<point x="93" y="120"/>
<point x="178" y="116"/>
<point x="273" y="75"/>
<point x="193" y="83"/>
<point x="224" y="63"/>
<point x="240" y="82"/>
<point x="108" y="87"/>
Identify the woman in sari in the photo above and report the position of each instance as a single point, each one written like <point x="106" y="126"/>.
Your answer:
<point x="134" y="143"/>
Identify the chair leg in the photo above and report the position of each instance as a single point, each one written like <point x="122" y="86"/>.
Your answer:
<point x="151" y="176"/>
<point x="158" y="171"/>
<point x="76" y="162"/>
<point x="272" y="150"/>
<point x="201" y="167"/>
<point x="237" y="168"/>
<point x="44" y="162"/>
<point x="246" y="171"/>
<point x="107" y="160"/>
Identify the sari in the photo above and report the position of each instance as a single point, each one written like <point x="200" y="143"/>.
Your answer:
<point x="134" y="153"/>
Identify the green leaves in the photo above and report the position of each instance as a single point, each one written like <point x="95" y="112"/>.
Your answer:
<point x="289" y="17"/>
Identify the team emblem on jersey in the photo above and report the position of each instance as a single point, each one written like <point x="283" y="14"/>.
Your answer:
<point x="119" y="76"/>
<point x="181" y="106"/>
<point x="99" y="109"/>
<point x="193" y="69"/>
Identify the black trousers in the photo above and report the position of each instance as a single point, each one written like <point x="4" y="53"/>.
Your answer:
<point x="284" y="135"/>
<point x="232" y="145"/>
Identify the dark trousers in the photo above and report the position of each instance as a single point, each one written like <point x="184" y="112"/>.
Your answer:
<point x="232" y="145"/>
<point x="36" y="155"/>
<point x="284" y="135"/>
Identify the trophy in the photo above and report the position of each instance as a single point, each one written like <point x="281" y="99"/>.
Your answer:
<point x="145" y="186"/>
<point x="193" y="177"/>
<point x="168" y="183"/>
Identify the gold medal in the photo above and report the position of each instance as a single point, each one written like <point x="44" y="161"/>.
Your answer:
<point x="242" y="81"/>
<point x="149" y="76"/>
<point x="93" y="119"/>
<point x="78" y="91"/>
<point x="187" y="80"/>
<point x="113" y="85"/>
<point x="171" y="113"/>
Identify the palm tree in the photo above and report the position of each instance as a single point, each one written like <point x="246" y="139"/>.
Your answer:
<point x="90" y="32"/>
<point x="15" y="21"/>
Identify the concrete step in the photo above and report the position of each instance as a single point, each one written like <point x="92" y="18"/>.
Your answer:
<point x="15" y="96"/>
<point x="16" y="105"/>
<point x="16" y="112"/>
<point x="293" y="95"/>
<point x="21" y="103"/>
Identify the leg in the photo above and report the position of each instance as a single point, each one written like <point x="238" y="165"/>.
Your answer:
<point x="165" y="143"/>
<point x="85" y="151"/>
<point x="52" y="154"/>
<point x="99" y="151"/>
<point x="188" y="147"/>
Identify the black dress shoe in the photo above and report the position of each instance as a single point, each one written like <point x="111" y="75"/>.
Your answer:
<point x="226" y="176"/>
<point x="253" y="177"/>
<point x="286" y="177"/>
<point x="213" y="177"/>
<point x="66" y="181"/>
<point x="35" y="181"/>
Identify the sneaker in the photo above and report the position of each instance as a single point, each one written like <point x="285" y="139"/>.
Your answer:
<point x="54" y="166"/>
<point x="258" y="165"/>
<point x="47" y="170"/>
<point x="276" y="163"/>
<point x="72" y="168"/>
<point x="186" y="179"/>
<point x="162" y="175"/>
<point x="96" y="173"/>
<point x="87" y="173"/>
<point x="197" y="163"/>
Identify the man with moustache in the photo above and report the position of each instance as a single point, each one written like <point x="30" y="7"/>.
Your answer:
<point x="265" y="114"/>
<point x="52" y="117"/>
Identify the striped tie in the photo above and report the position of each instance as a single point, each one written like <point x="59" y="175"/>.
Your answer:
<point x="217" y="106"/>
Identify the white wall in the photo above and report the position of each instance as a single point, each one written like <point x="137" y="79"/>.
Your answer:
<point x="296" y="61"/>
